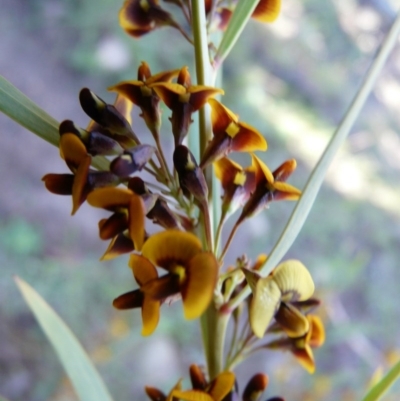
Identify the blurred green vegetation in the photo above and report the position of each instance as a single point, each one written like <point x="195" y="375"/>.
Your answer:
<point x="292" y="80"/>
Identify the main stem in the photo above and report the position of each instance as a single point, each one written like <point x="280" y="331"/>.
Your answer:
<point x="213" y="323"/>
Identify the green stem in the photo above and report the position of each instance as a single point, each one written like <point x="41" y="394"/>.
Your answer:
<point x="214" y="324"/>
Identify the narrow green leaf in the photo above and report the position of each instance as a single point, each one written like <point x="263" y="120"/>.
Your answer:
<point x="84" y="377"/>
<point x="238" y="21"/>
<point x="25" y="112"/>
<point x="380" y="388"/>
<point x="310" y="192"/>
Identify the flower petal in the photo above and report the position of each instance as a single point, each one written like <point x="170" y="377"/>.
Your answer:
<point x="119" y="245"/>
<point x="142" y="269"/>
<point x="162" y="287"/>
<point x="191" y="395"/>
<point x="198" y="288"/>
<point x="225" y="170"/>
<point x="264" y="304"/>
<point x="316" y="336"/>
<point x="137" y="221"/>
<point x="221" y="117"/>
<point x="248" y="139"/>
<point x="262" y="171"/>
<point x="72" y="150"/>
<point x="305" y="357"/>
<point x="283" y="172"/>
<point x="267" y="10"/>
<point x="200" y="94"/>
<point x="80" y="188"/>
<point x="150" y="315"/>
<point x="115" y="224"/>
<point x="254" y="388"/>
<point x="59" y="184"/>
<point x="129" y="300"/>
<point x="292" y="321"/>
<point x="171" y="247"/>
<point x="294" y="281"/>
<point x="283" y="191"/>
<point x="110" y="198"/>
<point x="221" y="385"/>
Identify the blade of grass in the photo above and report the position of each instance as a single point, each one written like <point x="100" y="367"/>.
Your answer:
<point x="304" y="205"/>
<point x="238" y="21"/>
<point x="380" y="388"/>
<point x="84" y="377"/>
<point x="27" y="113"/>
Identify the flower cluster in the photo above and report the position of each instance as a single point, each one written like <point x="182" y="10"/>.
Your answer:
<point x="180" y="257"/>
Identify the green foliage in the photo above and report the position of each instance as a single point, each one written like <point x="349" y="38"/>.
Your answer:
<point x="83" y="375"/>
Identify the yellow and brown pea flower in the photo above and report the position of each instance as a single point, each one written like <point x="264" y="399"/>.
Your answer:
<point x="192" y="274"/>
<point x="230" y="135"/>
<point x="140" y="93"/>
<point x="222" y="388"/>
<point x="266" y="11"/>
<point x="138" y="17"/>
<point x="183" y="99"/>
<point x="302" y="346"/>
<point x="238" y="184"/>
<point x="82" y="180"/>
<point x="269" y="187"/>
<point x="129" y="213"/>
<point x="276" y="295"/>
<point x="108" y="133"/>
<point x="144" y="272"/>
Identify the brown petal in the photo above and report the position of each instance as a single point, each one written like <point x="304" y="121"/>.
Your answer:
<point x="129" y="300"/>
<point x="119" y="245"/>
<point x="59" y="184"/>
<point x="292" y="321"/>
<point x="255" y="387"/>
<point x="115" y="224"/>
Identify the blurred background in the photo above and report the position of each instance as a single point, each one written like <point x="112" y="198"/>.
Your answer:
<point x="293" y="80"/>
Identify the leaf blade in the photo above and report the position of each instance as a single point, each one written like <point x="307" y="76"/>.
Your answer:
<point x="84" y="377"/>
<point x="380" y="388"/>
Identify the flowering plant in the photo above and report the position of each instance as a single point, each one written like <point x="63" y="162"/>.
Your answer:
<point x="167" y="212"/>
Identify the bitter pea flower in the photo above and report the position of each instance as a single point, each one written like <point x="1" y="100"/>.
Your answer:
<point x="183" y="99"/>
<point x="191" y="271"/>
<point x="273" y="296"/>
<point x="230" y="135"/>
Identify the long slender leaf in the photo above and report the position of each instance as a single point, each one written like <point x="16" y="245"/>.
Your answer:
<point x="313" y="185"/>
<point x="27" y="113"/>
<point x="84" y="377"/>
<point x="380" y="388"/>
<point x="238" y="21"/>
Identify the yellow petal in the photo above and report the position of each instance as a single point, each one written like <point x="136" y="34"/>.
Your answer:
<point x="267" y="10"/>
<point x="262" y="171"/>
<point x="80" y="183"/>
<point x="198" y="288"/>
<point x="150" y="315"/>
<point x="191" y="395"/>
<point x="136" y="221"/>
<point x="294" y="281"/>
<point x="110" y="198"/>
<point x="265" y="302"/>
<point x="72" y="150"/>
<point x="221" y="385"/>
<point x="283" y="191"/>
<point x="305" y="357"/>
<point x="316" y="335"/>
<point x="142" y="269"/>
<point x="167" y="248"/>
